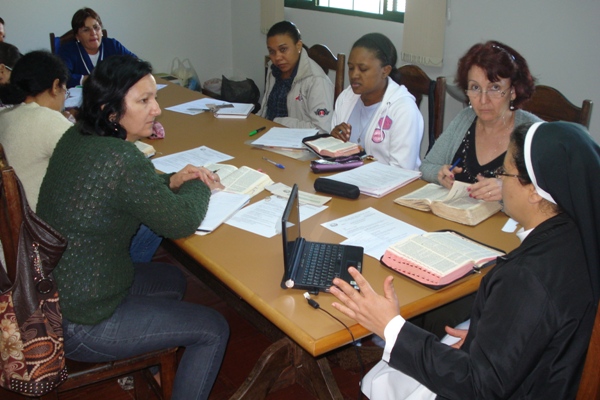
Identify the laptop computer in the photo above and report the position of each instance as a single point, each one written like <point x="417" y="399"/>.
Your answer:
<point x="312" y="266"/>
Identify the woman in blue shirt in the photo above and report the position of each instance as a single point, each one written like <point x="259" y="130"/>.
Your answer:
<point x="89" y="48"/>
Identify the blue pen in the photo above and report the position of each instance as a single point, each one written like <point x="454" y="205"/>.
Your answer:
<point x="455" y="163"/>
<point x="274" y="163"/>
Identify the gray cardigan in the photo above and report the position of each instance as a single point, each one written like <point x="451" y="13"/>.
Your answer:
<point x="449" y="141"/>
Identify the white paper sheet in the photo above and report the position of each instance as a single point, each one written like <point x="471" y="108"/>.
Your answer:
<point x="199" y="156"/>
<point x="371" y="229"/>
<point x="196" y="106"/>
<point x="284" y="137"/>
<point x="75" y="97"/>
<point x="264" y="217"/>
<point x="377" y="179"/>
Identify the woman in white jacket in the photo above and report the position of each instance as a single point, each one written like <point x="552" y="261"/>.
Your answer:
<point x="298" y="93"/>
<point x="375" y="111"/>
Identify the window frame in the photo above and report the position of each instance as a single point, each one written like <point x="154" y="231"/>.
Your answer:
<point x="394" y="16"/>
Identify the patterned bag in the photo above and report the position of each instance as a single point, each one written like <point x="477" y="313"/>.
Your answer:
<point x="32" y="358"/>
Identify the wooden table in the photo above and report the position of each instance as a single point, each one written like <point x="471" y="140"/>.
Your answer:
<point x="252" y="266"/>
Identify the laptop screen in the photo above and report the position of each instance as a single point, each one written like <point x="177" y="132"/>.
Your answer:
<point x="290" y="227"/>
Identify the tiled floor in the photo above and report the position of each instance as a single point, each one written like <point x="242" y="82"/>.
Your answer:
<point x="245" y="346"/>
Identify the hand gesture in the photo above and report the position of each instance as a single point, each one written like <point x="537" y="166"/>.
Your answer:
<point x="368" y="308"/>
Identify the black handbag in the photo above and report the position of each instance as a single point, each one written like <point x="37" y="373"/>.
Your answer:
<point x="32" y="360"/>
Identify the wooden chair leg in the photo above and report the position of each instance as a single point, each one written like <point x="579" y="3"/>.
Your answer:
<point x="168" y="368"/>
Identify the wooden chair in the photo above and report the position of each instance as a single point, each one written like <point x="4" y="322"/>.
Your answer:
<point x="589" y="386"/>
<point x="326" y="60"/>
<point x="57" y="41"/>
<point x="551" y="105"/>
<point x="80" y="374"/>
<point x="321" y="54"/>
<point x="419" y="84"/>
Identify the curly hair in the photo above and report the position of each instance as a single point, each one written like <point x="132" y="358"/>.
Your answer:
<point x="104" y="94"/>
<point x="498" y="61"/>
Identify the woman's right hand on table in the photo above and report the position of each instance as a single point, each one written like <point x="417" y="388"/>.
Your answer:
<point x="342" y="131"/>
<point x="190" y="172"/>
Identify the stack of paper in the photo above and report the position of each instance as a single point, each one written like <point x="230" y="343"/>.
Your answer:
<point x="222" y="205"/>
<point x="377" y="179"/>
<point x="239" y="110"/>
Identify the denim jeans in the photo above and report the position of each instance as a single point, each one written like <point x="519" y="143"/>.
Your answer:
<point x="144" y="245"/>
<point x="153" y="317"/>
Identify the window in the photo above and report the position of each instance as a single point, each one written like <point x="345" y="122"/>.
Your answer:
<point x="391" y="10"/>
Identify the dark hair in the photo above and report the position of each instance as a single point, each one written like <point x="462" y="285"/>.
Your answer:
<point x="285" y="28"/>
<point x="9" y="54"/>
<point x="33" y="74"/>
<point x="383" y="49"/>
<point x="104" y="94"/>
<point x="78" y="20"/>
<point x="498" y="61"/>
<point x="2" y="21"/>
<point x="517" y="143"/>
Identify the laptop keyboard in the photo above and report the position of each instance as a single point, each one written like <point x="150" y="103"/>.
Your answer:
<point x="320" y="263"/>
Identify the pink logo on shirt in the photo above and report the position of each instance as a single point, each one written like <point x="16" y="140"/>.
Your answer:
<point x="382" y="126"/>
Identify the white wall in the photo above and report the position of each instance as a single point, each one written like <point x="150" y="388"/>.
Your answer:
<point x="155" y="30"/>
<point x="557" y="37"/>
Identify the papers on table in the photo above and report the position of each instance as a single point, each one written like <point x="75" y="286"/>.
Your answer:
<point x="75" y="98"/>
<point x="377" y="179"/>
<point x="199" y="156"/>
<point x="281" y="190"/>
<point x="222" y="205"/>
<point x="264" y="217"/>
<point x="196" y="106"/>
<point x="287" y="138"/>
<point x="371" y="229"/>
<point x="161" y="86"/>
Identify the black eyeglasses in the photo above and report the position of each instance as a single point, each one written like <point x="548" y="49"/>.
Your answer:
<point x="501" y="172"/>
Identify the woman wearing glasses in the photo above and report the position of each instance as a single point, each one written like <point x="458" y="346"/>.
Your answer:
<point x="83" y="54"/>
<point x="497" y="81"/>
<point x="31" y="128"/>
<point x="533" y="314"/>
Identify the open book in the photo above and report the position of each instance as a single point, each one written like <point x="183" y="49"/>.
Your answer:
<point x="239" y="110"/>
<point x="241" y="180"/>
<point x="333" y="147"/>
<point x="437" y="259"/>
<point x="222" y="205"/>
<point x="454" y="205"/>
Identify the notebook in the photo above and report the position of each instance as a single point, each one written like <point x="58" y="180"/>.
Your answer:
<point x="312" y="265"/>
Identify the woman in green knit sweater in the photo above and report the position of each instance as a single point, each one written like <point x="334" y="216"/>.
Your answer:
<point x="97" y="191"/>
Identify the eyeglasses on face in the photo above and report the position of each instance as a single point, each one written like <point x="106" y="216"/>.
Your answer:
<point x="96" y="28"/>
<point x="493" y="93"/>
<point x="500" y="171"/>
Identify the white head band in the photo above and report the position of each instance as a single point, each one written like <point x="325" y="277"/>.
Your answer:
<point x="529" y="165"/>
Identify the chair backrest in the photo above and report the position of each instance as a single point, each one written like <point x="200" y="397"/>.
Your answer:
<point x="56" y="41"/>
<point x="326" y="60"/>
<point x="10" y="214"/>
<point x="551" y="105"/>
<point x="321" y="54"/>
<point x="419" y="84"/>
<point x="589" y="386"/>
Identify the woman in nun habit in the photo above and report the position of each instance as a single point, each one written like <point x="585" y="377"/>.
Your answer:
<point x="534" y="311"/>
